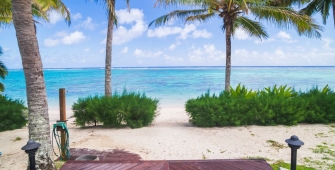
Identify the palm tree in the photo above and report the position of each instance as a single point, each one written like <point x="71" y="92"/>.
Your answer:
<point x="40" y="9"/>
<point x="3" y="72"/>
<point x="233" y="16"/>
<point x="321" y="6"/>
<point x="21" y="13"/>
<point x="112" y="20"/>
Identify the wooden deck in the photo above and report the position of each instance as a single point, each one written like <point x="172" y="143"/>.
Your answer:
<point x="122" y="160"/>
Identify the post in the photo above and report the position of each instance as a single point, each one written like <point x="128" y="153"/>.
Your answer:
<point x="62" y="109"/>
<point x="294" y="143"/>
<point x="31" y="149"/>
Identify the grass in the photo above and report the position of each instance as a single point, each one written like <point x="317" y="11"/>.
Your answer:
<point x="258" y="157"/>
<point x="59" y="164"/>
<point x="326" y="155"/>
<point x="282" y="164"/>
<point x="17" y="139"/>
<point x="203" y="156"/>
<point x="275" y="144"/>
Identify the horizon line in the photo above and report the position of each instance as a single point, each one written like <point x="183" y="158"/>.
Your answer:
<point x="159" y="67"/>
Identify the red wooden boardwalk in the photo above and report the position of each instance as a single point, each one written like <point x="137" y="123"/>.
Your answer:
<point x="122" y="160"/>
<point x="219" y="164"/>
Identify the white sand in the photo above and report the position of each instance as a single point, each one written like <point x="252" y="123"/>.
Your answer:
<point x="171" y="137"/>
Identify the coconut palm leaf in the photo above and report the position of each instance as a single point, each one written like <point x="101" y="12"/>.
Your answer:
<point x="56" y="5"/>
<point x="3" y="70"/>
<point x="285" y="17"/>
<point x="252" y="28"/>
<point x="200" y="17"/>
<point x="322" y="6"/>
<point x="40" y="9"/>
<point x="180" y="14"/>
<point x="192" y="3"/>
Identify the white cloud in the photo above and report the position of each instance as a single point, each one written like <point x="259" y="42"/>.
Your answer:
<point x="173" y="46"/>
<point x="126" y="17"/>
<point x="327" y="42"/>
<point x="125" y="50"/>
<point x="76" y="16"/>
<point x="241" y="34"/>
<point x="122" y="34"/>
<point x="164" y="31"/>
<point x="190" y="30"/>
<point x="206" y="53"/>
<point x="73" y="38"/>
<point x="87" y="24"/>
<point x="285" y="37"/>
<point x="201" y="34"/>
<point x="65" y="38"/>
<point x="54" y="17"/>
<point x="146" y="54"/>
<point x="170" y="59"/>
<point x="242" y="52"/>
<point x="5" y="49"/>
<point x="87" y="50"/>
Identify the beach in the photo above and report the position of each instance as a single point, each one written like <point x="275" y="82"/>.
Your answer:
<point x="172" y="137"/>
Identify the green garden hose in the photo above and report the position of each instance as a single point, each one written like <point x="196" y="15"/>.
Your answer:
<point x="58" y="139"/>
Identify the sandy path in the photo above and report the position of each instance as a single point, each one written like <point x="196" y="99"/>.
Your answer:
<point x="172" y="137"/>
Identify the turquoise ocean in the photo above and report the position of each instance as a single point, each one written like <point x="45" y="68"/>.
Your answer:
<point x="171" y="85"/>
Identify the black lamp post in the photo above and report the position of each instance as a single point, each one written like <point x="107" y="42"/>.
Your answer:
<point x="31" y="149"/>
<point x="294" y="143"/>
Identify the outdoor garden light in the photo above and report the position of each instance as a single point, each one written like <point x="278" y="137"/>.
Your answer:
<point x="294" y="143"/>
<point x="31" y="149"/>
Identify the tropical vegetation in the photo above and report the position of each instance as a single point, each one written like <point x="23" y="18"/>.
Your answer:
<point x="21" y="13"/>
<point x="232" y="14"/>
<point x="112" y="20"/>
<point x="270" y="106"/>
<point x="128" y="108"/>
<point x="3" y="72"/>
<point x="320" y="6"/>
<point x="40" y="9"/>
<point x="11" y="114"/>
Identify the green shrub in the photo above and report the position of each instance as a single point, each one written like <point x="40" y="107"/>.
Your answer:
<point x="11" y="113"/>
<point x="270" y="106"/>
<point x="129" y="108"/>
<point x="320" y="105"/>
<point x="82" y="113"/>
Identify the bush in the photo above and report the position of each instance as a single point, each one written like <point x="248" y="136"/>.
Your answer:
<point x="129" y="108"/>
<point x="11" y="114"/>
<point x="270" y="106"/>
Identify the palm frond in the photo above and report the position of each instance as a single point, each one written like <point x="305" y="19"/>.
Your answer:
<point x="200" y="17"/>
<point x="45" y="6"/>
<point x="252" y="28"/>
<point x="311" y="8"/>
<point x="2" y="87"/>
<point x="3" y="70"/>
<point x="39" y="13"/>
<point x="324" y="9"/>
<point x="191" y="3"/>
<point x="5" y="13"/>
<point x="181" y="14"/>
<point x="285" y="17"/>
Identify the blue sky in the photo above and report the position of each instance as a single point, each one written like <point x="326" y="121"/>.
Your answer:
<point x="175" y="44"/>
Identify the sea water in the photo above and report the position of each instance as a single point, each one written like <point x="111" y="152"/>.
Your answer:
<point x="171" y="85"/>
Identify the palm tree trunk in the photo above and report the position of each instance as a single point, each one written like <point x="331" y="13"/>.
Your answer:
<point x="228" y="57"/>
<point x="334" y="11"/>
<point x="38" y="119"/>
<point x="108" y="64"/>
